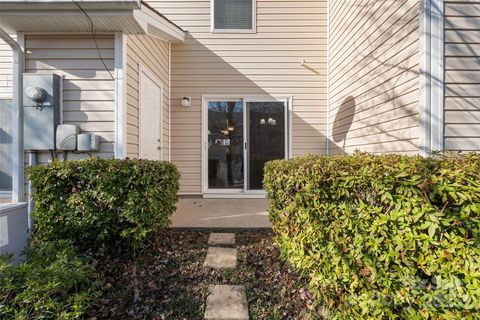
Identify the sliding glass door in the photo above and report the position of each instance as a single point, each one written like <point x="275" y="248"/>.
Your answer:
<point x="225" y="145"/>
<point x="266" y="138"/>
<point x="241" y="135"/>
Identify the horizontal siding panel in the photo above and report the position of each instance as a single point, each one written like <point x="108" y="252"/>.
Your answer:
<point x="462" y="77"/>
<point x="88" y="89"/>
<point x="374" y="76"/>
<point x="153" y="54"/>
<point x="263" y="63"/>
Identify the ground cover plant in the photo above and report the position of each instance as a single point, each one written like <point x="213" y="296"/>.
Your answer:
<point x="384" y="237"/>
<point x="54" y="283"/>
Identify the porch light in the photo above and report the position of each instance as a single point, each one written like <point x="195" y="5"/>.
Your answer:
<point x="262" y="122"/>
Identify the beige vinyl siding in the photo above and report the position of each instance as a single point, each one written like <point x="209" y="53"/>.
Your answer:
<point x="462" y="75"/>
<point x="264" y="63"/>
<point x="374" y="76"/>
<point x="6" y="65"/>
<point x="153" y="54"/>
<point x="88" y="89"/>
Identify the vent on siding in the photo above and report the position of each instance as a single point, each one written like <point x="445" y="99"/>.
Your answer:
<point x="233" y="14"/>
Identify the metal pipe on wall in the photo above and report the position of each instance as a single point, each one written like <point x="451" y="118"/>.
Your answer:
<point x="32" y="161"/>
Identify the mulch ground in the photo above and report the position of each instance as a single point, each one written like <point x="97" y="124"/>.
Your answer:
<point x="167" y="280"/>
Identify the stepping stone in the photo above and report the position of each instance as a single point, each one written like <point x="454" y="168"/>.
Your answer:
<point x="218" y="239"/>
<point x="221" y="258"/>
<point x="226" y="302"/>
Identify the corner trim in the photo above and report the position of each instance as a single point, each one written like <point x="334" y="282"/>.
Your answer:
<point x="120" y="94"/>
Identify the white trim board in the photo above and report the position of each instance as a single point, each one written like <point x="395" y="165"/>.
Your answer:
<point x="431" y="54"/>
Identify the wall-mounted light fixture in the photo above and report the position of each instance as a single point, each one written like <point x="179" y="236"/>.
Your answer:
<point x="186" y="101"/>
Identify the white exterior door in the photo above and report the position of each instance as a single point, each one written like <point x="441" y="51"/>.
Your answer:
<point x="150" y="116"/>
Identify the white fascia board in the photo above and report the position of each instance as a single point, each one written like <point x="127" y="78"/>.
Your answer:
<point x="32" y="5"/>
<point x="157" y="26"/>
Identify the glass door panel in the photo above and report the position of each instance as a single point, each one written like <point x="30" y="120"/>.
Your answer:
<point x="266" y="138"/>
<point x="225" y="145"/>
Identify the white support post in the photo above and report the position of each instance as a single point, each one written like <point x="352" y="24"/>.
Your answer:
<point x="18" y="188"/>
<point x="120" y="109"/>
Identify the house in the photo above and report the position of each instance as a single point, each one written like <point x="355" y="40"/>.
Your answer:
<point x="218" y="87"/>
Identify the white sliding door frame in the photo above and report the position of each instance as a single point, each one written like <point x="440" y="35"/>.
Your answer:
<point x="243" y="192"/>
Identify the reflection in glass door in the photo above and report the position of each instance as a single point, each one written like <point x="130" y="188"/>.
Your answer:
<point x="266" y="138"/>
<point x="225" y="145"/>
<point x="241" y="136"/>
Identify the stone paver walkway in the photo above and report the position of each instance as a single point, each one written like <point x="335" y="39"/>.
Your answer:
<point x="224" y="301"/>
<point x="221" y="258"/>
<point x="221" y="239"/>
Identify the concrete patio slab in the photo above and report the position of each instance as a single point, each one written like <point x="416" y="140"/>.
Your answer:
<point x="226" y="302"/>
<point x="221" y="214"/>
<point x="221" y="258"/>
<point x="219" y="239"/>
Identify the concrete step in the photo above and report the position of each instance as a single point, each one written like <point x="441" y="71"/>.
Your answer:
<point x="221" y="258"/>
<point x="226" y="302"/>
<point x="221" y="239"/>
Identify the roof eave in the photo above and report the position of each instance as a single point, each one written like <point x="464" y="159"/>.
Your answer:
<point x="132" y="17"/>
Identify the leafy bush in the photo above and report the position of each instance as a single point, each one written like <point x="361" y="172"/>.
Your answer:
<point x="384" y="237"/>
<point x="97" y="202"/>
<point x="54" y="283"/>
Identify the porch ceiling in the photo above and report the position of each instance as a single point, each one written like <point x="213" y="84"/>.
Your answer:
<point x="128" y="16"/>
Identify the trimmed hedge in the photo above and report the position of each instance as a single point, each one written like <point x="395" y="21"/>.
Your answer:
<point x="382" y="237"/>
<point x="98" y="202"/>
<point x="54" y="283"/>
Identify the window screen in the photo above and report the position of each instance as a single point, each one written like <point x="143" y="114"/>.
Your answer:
<point x="233" y="14"/>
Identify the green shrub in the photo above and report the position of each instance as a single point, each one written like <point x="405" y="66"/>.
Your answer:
<point x="382" y="237"/>
<point x="98" y="202"/>
<point x="54" y="283"/>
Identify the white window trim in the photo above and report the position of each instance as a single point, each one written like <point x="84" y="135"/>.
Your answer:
<point x="254" y="20"/>
<point x="240" y="193"/>
<point x="143" y="69"/>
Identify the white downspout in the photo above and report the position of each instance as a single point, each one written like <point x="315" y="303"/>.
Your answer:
<point x="18" y="193"/>
<point x="425" y="103"/>
<point x="169" y="101"/>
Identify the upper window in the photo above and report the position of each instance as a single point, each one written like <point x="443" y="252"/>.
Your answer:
<point x="233" y="16"/>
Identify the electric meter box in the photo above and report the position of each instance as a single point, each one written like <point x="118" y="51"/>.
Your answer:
<point x="41" y="110"/>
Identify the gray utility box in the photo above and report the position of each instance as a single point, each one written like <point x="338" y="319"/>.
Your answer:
<point x="41" y="112"/>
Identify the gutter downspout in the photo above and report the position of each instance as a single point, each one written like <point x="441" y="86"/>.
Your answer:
<point x="18" y="192"/>
<point x="170" y="101"/>
<point x="425" y="105"/>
